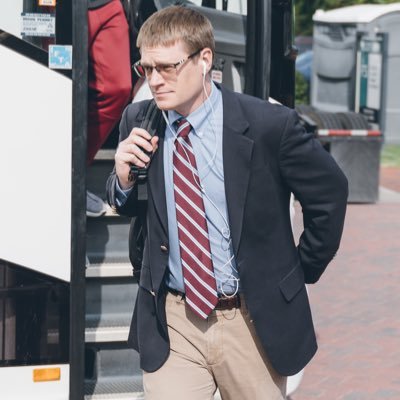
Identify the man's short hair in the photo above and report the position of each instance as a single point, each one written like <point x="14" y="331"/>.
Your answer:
<point x="171" y="24"/>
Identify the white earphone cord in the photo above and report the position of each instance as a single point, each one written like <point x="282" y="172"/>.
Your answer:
<point x="229" y="276"/>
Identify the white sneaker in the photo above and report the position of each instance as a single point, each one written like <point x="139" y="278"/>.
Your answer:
<point x="95" y="206"/>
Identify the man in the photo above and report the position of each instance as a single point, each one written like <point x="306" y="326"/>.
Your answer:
<point x="222" y="299"/>
<point x="109" y="79"/>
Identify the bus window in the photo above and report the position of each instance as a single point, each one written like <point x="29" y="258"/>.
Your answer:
<point x="34" y="318"/>
<point x="233" y="6"/>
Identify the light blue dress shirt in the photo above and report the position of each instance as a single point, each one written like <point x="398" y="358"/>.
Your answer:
<point x="206" y="139"/>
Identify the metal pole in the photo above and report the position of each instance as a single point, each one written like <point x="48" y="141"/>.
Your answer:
<point x="78" y="213"/>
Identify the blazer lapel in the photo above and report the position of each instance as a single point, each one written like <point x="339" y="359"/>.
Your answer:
<point x="237" y="153"/>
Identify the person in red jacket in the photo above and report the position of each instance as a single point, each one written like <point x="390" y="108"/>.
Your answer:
<point x="109" y="79"/>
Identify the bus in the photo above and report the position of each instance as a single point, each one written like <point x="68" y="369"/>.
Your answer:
<point x="66" y="284"/>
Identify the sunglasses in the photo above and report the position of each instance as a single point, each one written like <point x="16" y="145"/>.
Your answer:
<point x="165" y="70"/>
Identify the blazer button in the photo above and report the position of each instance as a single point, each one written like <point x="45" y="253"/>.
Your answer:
<point x="164" y="248"/>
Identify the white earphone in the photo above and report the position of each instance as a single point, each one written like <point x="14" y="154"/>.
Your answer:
<point x="204" y="67"/>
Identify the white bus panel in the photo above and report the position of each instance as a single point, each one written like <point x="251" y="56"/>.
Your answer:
<point x="17" y="384"/>
<point x="35" y="165"/>
<point x="10" y="16"/>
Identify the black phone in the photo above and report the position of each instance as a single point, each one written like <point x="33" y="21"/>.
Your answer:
<point x="151" y="122"/>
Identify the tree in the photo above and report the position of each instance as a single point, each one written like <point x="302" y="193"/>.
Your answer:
<point x="302" y="90"/>
<point x="305" y="10"/>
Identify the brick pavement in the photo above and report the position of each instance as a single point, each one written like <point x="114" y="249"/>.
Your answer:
<point x="390" y="178"/>
<point x="356" y="308"/>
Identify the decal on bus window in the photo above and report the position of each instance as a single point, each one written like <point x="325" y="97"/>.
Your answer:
<point x="60" y="57"/>
<point x="36" y="24"/>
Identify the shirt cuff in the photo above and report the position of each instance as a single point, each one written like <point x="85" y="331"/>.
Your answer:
<point x="121" y="195"/>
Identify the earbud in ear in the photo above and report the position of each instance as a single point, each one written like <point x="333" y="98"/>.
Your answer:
<point x="204" y="67"/>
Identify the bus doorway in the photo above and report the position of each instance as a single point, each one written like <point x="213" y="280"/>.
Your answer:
<point x="42" y="168"/>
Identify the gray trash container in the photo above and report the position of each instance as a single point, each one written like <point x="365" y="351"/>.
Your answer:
<point x="336" y="58"/>
<point x="359" y="158"/>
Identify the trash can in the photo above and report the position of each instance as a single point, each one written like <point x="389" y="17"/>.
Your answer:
<point x="356" y="63"/>
<point x="357" y="153"/>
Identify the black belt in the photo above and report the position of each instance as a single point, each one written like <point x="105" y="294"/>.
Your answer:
<point x="224" y="303"/>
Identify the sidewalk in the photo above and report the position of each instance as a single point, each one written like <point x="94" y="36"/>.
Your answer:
<point x="390" y="178"/>
<point x="356" y="306"/>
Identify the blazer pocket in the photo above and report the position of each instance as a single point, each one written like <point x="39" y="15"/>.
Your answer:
<point x="292" y="283"/>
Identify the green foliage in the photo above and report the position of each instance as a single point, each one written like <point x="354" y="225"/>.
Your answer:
<point x="305" y="9"/>
<point x="302" y="90"/>
<point x="390" y="156"/>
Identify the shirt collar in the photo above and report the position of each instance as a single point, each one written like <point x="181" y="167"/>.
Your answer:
<point x="198" y="116"/>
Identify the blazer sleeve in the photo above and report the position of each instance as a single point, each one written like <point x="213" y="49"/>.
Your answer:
<point x="321" y="188"/>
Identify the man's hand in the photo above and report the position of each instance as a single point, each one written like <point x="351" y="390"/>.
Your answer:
<point x="130" y="151"/>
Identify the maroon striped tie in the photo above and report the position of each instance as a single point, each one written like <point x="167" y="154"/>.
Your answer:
<point x="197" y="266"/>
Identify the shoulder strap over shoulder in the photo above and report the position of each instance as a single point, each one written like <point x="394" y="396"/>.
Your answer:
<point x="151" y="123"/>
<point x="152" y="118"/>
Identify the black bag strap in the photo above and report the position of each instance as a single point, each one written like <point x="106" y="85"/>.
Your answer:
<point x="151" y="123"/>
<point x="152" y="118"/>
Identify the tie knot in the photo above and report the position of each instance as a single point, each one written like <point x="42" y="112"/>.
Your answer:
<point x="183" y="128"/>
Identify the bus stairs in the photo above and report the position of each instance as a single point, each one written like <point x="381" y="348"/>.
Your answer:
<point x="111" y="368"/>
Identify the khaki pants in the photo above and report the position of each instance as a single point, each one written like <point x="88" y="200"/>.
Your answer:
<point x="222" y="352"/>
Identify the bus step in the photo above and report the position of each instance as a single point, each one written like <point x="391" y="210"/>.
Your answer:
<point x="107" y="240"/>
<point x="110" y="302"/>
<point x="97" y="175"/>
<point x="111" y="368"/>
<point x="105" y="155"/>
<point x="115" y="389"/>
<point x="116" y="396"/>
<point x="109" y="270"/>
<point x="107" y="334"/>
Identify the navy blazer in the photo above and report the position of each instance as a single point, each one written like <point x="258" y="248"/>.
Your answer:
<point x="266" y="156"/>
